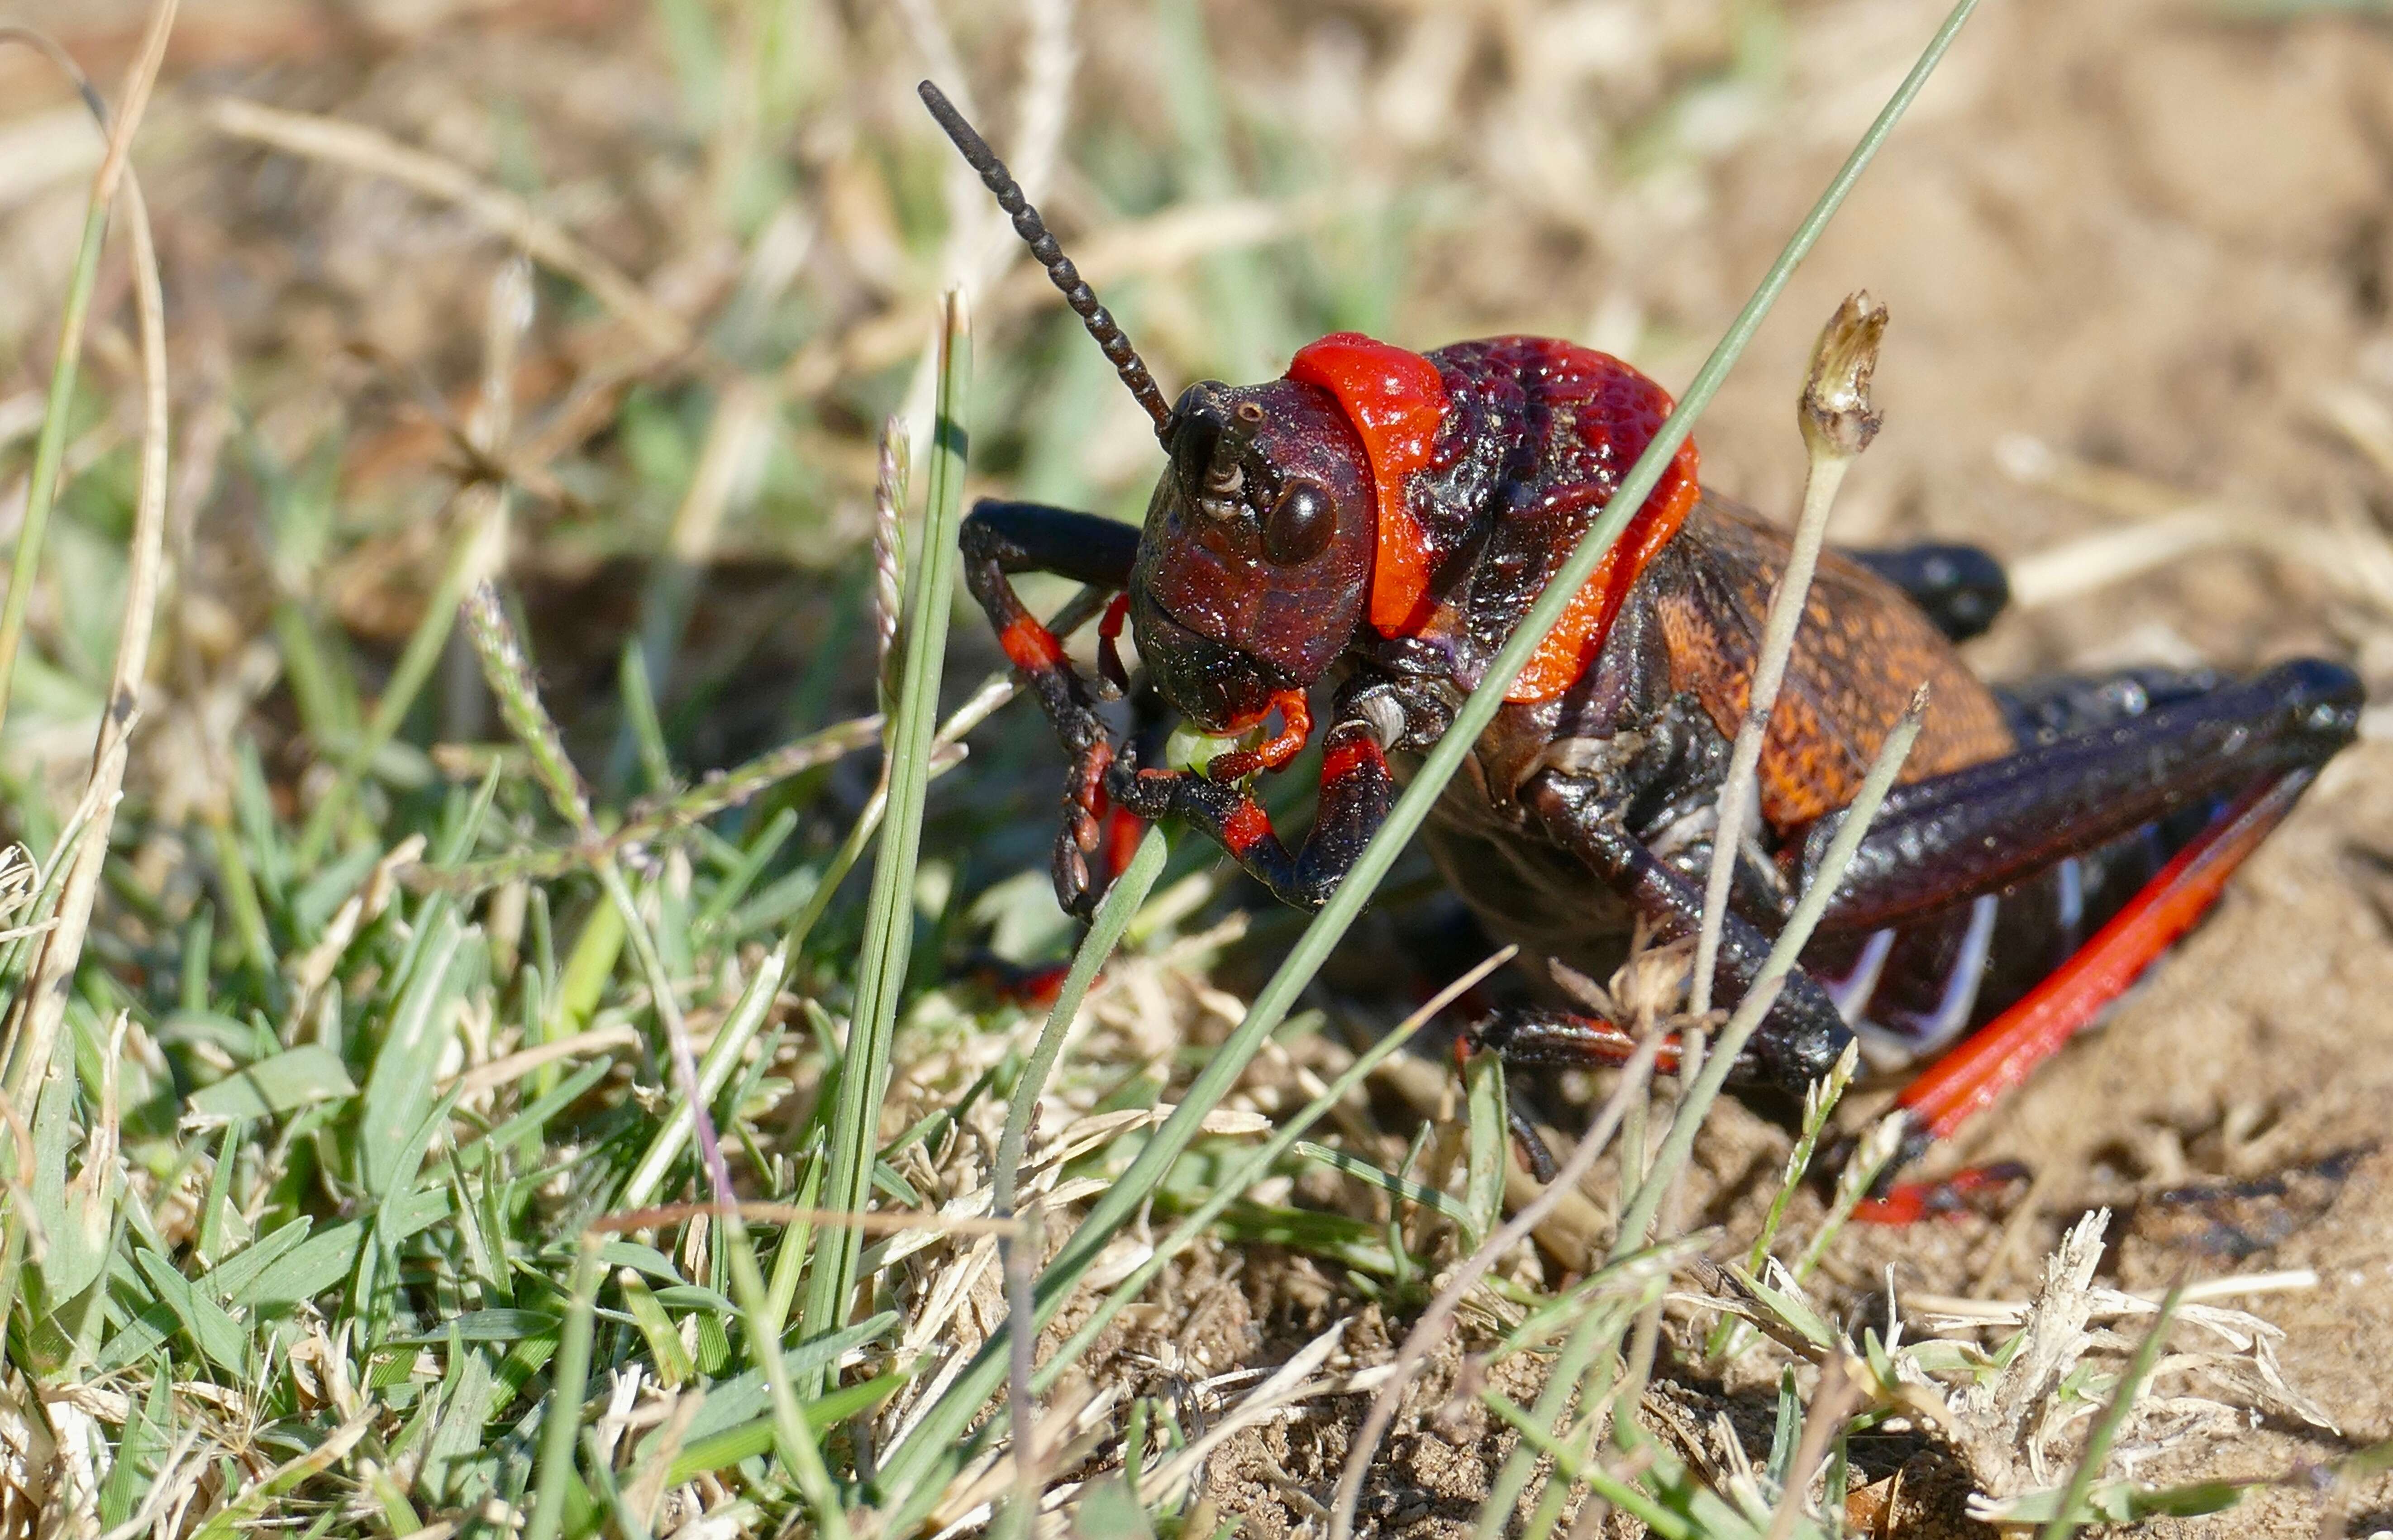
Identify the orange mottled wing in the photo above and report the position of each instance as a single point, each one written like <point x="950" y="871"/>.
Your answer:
<point x="1862" y="650"/>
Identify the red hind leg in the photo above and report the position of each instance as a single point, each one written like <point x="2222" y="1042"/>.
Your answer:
<point x="2000" y="1054"/>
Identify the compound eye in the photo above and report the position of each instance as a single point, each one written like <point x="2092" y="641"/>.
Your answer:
<point x="1300" y="524"/>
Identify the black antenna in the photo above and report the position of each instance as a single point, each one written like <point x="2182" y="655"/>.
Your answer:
<point x="1034" y="233"/>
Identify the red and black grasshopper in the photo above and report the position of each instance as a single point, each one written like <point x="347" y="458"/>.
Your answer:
<point x="1376" y="522"/>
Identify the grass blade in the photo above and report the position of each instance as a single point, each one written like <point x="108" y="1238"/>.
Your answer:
<point x="563" y="1424"/>
<point x="847" y="1184"/>
<point x="1115" y="912"/>
<point x="714" y="1071"/>
<point x="49" y="449"/>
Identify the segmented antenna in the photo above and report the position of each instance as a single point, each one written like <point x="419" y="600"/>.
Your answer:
<point x="1034" y="233"/>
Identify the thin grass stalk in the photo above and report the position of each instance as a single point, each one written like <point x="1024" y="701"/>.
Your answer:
<point x="889" y="936"/>
<point x="2105" y="1431"/>
<point x="1115" y="912"/>
<point x="1435" y="1322"/>
<point x="933" y="1439"/>
<point x="721" y="1057"/>
<point x="1850" y="338"/>
<point x="842" y="862"/>
<point x="676" y="1031"/>
<point x="1018" y="1253"/>
<point x="353" y="145"/>
<point x="509" y="672"/>
<point x="1633" y="1136"/>
<point x="1678" y="1146"/>
<point x="42" y="1001"/>
<point x="568" y="1382"/>
<point x="49" y="449"/>
<point x="653" y="820"/>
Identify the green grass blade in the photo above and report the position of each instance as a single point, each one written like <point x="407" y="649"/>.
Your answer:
<point x="793" y="1440"/>
<point x="49" y="449"/>
<point x="1402" y="1189"/>
<point x="640" y="718"/>
<point x="563" y="1424"/>
<point x="1115" y="912"/>
<point x="847" y="1184"/>
<point x="721" y="1057"/>
<point x="759" y="851"/>
<point x="748" y="1440"/>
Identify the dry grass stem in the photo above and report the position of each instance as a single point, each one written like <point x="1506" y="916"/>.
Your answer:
<point x="1838" y="422"/>
<point x="549" y="243"/>
<point x="889" y="503"/>
<point x="42" y="1004"/>
<point x="43" y="481"/>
